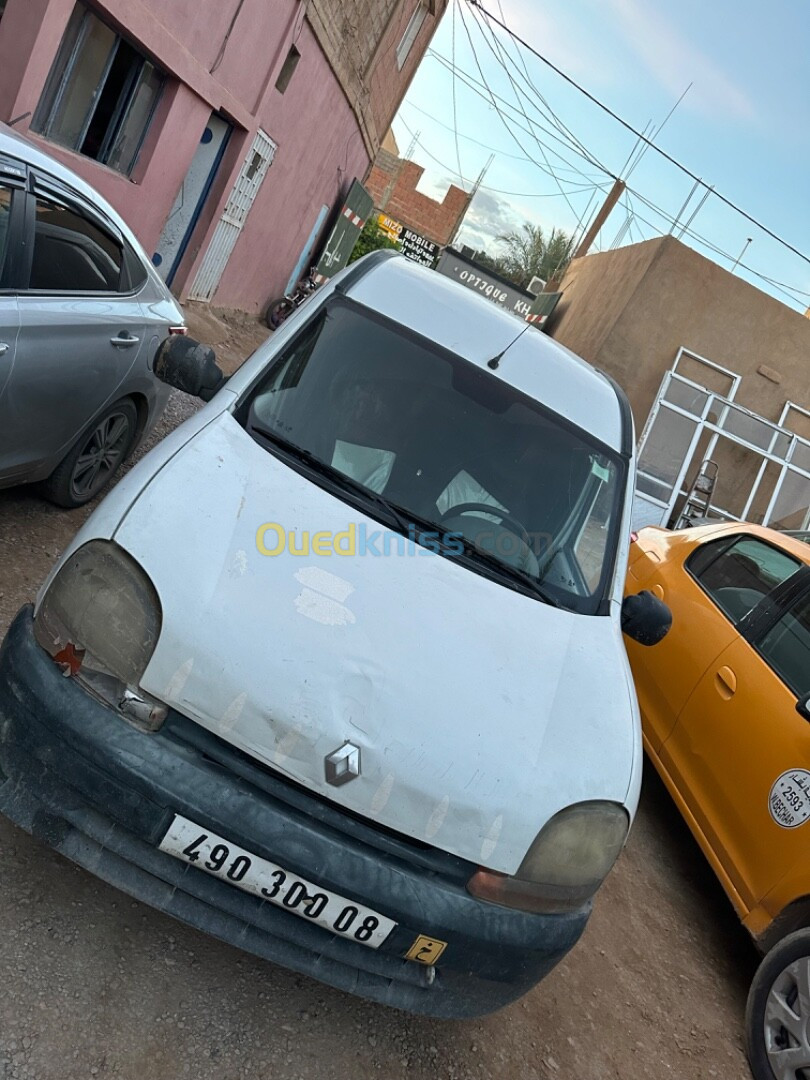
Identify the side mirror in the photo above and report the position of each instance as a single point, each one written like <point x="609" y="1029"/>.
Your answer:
<point x="189" y="366"/>
<point x="645" y="618"/>
<point x="803" y="706"/>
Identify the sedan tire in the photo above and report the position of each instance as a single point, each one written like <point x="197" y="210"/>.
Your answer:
<point x="777" y="1017"/>
<point x="95" y="457"/>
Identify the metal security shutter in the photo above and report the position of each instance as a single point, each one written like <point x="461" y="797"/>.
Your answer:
<point x="245" y="190"/>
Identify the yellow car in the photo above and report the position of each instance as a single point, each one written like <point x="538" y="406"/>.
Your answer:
<point x="725" y="706"/>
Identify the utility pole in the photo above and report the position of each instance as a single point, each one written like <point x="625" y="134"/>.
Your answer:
<point x="613" y="197"/>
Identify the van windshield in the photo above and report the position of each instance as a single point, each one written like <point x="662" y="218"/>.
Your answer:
<point x="434" y="446"/>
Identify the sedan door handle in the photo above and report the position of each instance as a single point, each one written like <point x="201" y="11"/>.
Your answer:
<point x="124" y="341"/>
<point x="3" y="348"/>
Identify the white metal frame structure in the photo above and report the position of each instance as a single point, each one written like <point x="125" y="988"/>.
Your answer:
<point x="683" y="411"/>
<point x="230" y="225"/>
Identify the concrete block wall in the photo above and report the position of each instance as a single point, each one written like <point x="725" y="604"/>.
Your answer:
<point x="392" y="184"/>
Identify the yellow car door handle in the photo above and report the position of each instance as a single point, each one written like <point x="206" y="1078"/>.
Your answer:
<point x="726" y="682"/>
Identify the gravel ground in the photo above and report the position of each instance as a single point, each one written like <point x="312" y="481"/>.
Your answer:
<point x="93" y="984"/>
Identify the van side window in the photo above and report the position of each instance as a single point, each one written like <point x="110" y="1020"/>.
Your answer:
<point x="738" y="574"/>
<point x="71" y="253"/>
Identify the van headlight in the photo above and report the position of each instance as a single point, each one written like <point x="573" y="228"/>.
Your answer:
<point x="100" y="619"/>
<point x="566" y="864"/>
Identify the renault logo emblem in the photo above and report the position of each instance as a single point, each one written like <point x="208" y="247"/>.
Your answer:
<point x="343" y="764"/>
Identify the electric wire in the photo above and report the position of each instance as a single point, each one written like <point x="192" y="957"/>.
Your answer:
<point x="453" y="85"/>
<point x="484" y="91"/>
<point x="494" y="190"/>
<point x="629" y="127"/>
<point x="485" y="146"/>
<point x="516" y="92"/>
<point x="506" y="124"/>
<point x="544" y="108"/>
<point x="786" y="290"/>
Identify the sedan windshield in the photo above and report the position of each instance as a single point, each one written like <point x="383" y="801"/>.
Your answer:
<point x="433" y="445"/>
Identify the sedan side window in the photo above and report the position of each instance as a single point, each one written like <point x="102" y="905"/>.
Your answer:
<point x="786" y="647"/>
<point x="71" y="252"/>
<point x="5" y="217"/>
<point x="738" y="575"/>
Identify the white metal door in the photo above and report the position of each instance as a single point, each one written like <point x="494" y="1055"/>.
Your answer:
<point x="253" y="171"/>
<point x="683" y="411"/>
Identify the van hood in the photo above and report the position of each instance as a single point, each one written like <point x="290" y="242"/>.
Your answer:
<point x="478" y="712"/>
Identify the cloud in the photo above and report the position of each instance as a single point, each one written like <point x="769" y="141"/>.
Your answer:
<point x="556" y="33"/>
<point x="487" y="218"/>
<point x="674" y="61"/>
<point x="586" y="40"/>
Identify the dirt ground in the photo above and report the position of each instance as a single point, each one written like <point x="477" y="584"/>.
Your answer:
<point x="93" y="984"/>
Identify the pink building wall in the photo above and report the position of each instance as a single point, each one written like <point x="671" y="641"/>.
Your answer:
<point x="214" y="63"/>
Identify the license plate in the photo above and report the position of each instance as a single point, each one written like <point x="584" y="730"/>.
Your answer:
<point x="193" y="844"/>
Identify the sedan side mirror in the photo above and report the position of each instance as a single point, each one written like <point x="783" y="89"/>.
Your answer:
<point x="189" y="366"/>
<point x="645" y="618"/>
<point x="803" y="706"/>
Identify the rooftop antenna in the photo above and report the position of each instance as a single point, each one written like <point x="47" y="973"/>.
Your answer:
<point x="411" y="146"/>
<point x="750" y="240"/>
<point x="469" y="200"/>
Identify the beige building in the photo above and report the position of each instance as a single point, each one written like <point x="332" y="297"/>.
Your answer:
<point x="632" y="312"/>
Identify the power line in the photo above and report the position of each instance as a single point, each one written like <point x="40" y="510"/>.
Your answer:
<point x="569" y="139"/>
<point x="516" y="92"/>
<point x="654" y="134"/>
<point x="498" y="191"/>
<point x="468" y="138"/>
<point x="453" y="84"/>
<point x="643" y="140"/>
<point x="546" y="110"/>
<point x="786" y="290"/>
<point x="491" y="98"/>
<point x="629" y="127"/>
<point x="486" y="146"/>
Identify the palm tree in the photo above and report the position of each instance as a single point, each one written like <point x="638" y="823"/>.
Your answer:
<point x="530" y="253"/>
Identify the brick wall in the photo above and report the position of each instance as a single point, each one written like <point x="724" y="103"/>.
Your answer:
<point x="392" y="182"/>
<point x="360" y="39"/>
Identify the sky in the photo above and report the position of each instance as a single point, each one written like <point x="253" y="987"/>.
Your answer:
<point x="742" y="126"/>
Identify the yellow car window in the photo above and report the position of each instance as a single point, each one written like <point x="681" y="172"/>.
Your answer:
<point x="738" y="575"/>
<point x="786" y="647"/>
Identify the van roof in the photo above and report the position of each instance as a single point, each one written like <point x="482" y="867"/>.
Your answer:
<point x="455" y="317"/>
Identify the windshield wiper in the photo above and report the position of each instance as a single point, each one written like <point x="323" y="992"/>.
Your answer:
<point x="505" y="571"/>
<point x="394" y="515"/>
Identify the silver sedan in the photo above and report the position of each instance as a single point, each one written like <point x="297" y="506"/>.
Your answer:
<point x="82" y="315"/>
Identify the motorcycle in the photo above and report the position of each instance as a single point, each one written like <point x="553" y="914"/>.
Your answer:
<point x="278" y="310"/>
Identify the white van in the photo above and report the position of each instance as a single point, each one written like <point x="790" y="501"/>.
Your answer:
<point x="336" y="673"/>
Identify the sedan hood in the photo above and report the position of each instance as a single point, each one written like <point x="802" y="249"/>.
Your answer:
<point x="478" y="712"/>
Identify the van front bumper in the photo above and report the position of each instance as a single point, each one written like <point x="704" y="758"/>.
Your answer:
<point x="103" y="793"/>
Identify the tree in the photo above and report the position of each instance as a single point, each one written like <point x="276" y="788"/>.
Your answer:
<point x="483" y="258"/>
<point x="372" y="238"/>
<point x="530" y="253"/>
